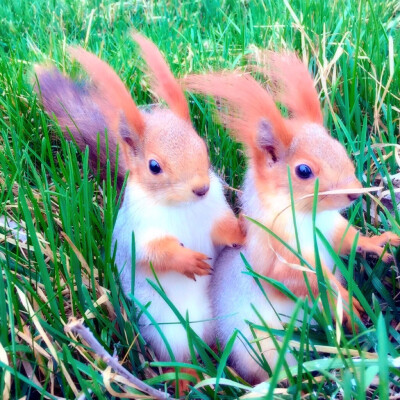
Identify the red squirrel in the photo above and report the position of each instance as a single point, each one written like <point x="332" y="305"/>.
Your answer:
<point x="173" y="202"/>
<point x="273" y="144"/>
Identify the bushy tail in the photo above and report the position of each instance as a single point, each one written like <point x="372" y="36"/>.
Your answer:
<point x="78" y="115"/>
<point x="292" y="84"/>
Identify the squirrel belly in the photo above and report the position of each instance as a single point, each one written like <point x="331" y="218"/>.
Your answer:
<point x="241" y="292"/>
<point x="235" y="307"/>
<point x="191" y="223"/>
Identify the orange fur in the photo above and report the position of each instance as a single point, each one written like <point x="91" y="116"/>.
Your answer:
<point x="373" y="244"/>
<point x="168" y="254"/>
<point x="227" y="231"/>
<point x="183" y="384"/>
<point x="248" y="103"/>
<point x="293" y="85"/>
<point x="110" y="88"/>
<point x="181" y="153"/>
<point x="163" y="82"/>
<point x="294" y="279"/>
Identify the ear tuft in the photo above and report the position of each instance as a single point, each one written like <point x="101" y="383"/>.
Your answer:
<point x="292" y="84"/>
<point x="163" y="82"/>
<point x="247" y="109"/>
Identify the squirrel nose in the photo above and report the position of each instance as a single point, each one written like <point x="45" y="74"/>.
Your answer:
<point x="201" y="191"/>
<point x="353" y="196"/>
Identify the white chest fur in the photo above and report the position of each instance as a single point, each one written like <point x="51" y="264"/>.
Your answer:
<point x="326" y="223"/>
<point x="277" y="216"/>
<point x="191" y="224"/>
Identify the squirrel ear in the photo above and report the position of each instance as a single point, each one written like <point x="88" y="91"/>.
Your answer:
<point x="293" y="85"/>
<point x="130" y="141"/>
<point x="163" y="82"/>
<point x="268" y="141"/>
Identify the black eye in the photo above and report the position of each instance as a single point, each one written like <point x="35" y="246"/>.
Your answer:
<point x="303" y="171"/>
<point x="154" y="167"/>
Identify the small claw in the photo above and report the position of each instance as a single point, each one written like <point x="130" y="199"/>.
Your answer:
<point x="358" y="307"/>
<point x="203" y="268"/>
<point x="375" y="249"/>
<point x="393" y="239"/>
<point x="203" y="265"/>
<point x="190" y="276"/>
<point x="347" y="322"/>
<point x="388" y="258"/>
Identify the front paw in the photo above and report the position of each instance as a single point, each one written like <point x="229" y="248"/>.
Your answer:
<point x="229" y="231"/>
<point x="375" y="244"/>
<point x="387" y="237"/>
<point x="357" y="309"/>
<point x="236" y="236"/>
<point x="191" y="263"/>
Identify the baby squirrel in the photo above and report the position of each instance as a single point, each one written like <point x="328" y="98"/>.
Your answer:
<point x="173" y="202"/>
<point x="274" y="144"/>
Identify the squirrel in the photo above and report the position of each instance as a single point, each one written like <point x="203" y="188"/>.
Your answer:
<point x="273" y="145"/>
<point x="173" y="201"/>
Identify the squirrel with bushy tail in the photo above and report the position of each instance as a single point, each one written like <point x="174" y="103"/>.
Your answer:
<point x="173" y="201"/>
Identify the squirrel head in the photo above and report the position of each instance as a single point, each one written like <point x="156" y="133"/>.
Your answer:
<point x="163" y="152"/>
<point x="274" y="143"/>
<point x="171" y="161"/>
<point x="311" y="154"/>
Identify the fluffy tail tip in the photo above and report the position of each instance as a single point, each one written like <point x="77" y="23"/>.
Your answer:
<point x="39" y="70"/>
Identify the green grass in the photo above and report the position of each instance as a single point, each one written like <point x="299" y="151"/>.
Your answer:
<point x="65" y="268"/>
